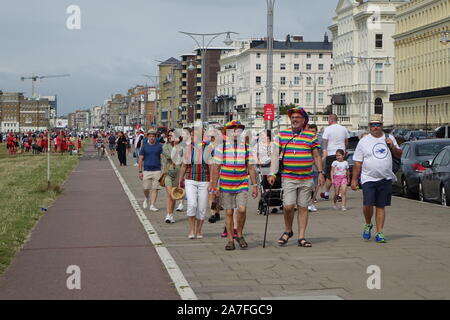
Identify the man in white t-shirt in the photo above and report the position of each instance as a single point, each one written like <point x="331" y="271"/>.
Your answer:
<point x="374" y="155"/>
<point x="334" y="137"/>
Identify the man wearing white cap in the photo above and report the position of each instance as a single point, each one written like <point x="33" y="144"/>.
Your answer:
<point x="374" y="155"/>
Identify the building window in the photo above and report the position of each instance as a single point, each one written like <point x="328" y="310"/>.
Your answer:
<point x="320" y="66"/>
<point x="283" y="80"/>
<point x="232" y="78"/>
<point x="378" y="73"/>
<point x="296" y="66"/>
<point x="320" y="55"/>
<point x="309" y="66"/>
<point x="258" y="55"/>
<point x="283" y="66"/>
<point x="296" y="97"/>
<point x="378" y="41"/>
<point x="297" y="80"/>
<point x="308" y="81"/>
<point x="258" y="98"/>
<point x="308" y="98"/>
<point x="378" y="106"/>
<point x="282" y="98"/>
<point x="320" y="98"/>
<point x="296" y="55"/>
<point x="283" y="55"/>
<point x="258" y="66"/>
<point x="258" y="80"/>
<point x="308" y="55"/>
<point x="320" y="80"/>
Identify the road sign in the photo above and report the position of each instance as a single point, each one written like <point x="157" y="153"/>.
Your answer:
<point x="269" y="112"/>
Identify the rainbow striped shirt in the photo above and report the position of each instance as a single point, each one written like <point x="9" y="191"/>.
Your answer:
<point x="298" y="159"/>
<point x="233" y="171"/>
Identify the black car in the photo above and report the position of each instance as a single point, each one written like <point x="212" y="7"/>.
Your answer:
<point x="415" y="135"/>
<point x="434" y="185"/>
<point x="411" y="169"/>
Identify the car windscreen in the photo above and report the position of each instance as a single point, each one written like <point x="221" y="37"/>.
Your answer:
<point x="430" y="149"/>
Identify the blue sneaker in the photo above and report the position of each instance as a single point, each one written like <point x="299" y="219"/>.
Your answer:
<point x="379" y="237"/>
<point x="367" y="229"/>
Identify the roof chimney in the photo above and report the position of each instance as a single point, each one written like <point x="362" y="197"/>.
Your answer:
<point x="297" y="38"/>
<point x="325" y="38"/>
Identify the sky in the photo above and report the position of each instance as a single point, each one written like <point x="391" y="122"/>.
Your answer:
<point x="119" y="41"/>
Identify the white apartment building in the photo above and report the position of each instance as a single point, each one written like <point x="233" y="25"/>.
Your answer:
<point x="363" y="45"/>
<point x="299" y="69"/>
<point x="96" y="117"/>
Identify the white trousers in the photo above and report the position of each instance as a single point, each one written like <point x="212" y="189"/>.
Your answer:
<point x="197" y="198"/>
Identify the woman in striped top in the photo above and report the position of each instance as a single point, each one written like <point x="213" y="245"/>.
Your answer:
<point x="195" y="170"/>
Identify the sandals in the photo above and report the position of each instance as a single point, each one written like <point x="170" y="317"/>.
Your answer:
<point x="304" y="243"/>
<point x="230" y="246"/>
<point x="242" y="243"/>
<point x="282" y="241"/>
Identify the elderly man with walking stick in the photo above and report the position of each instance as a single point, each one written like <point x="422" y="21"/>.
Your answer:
<point x="299" y="150"/>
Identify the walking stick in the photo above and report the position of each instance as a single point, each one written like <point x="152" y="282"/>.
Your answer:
<point x="267" y="215"/>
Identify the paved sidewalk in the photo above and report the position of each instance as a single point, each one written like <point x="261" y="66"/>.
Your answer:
<point x="415" y="263"/>
<point x="92" y="225"/>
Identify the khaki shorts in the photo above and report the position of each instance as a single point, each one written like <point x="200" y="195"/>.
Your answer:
<point x="171" y="179"/>
<point x="150" y="181"/>
<point x="297" y="192"/>
<point x="234" y="200"/>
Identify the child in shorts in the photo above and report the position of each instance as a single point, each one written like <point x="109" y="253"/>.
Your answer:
<point x="340" y="178"/>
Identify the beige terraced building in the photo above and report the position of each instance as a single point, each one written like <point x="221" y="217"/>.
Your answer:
<point x="422" y="69"/>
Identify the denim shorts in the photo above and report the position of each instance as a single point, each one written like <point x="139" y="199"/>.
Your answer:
<point x="377" y="193"/>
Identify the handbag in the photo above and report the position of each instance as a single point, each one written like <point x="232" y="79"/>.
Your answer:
<point x="162" y="179"/>
<point x="396" y="163"/>
<point x="281" y="161"/>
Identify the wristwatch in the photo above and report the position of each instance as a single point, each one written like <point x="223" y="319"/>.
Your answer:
<point x="322" y="172"/>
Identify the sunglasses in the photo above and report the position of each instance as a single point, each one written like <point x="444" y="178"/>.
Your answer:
<point x="376" y="125"/>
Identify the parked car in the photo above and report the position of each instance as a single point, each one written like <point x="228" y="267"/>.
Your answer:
<point x="434" y="185"/>
<point x="411" y="169"/>
<point x="443" y="132"/>
<point x="415" y="135"/>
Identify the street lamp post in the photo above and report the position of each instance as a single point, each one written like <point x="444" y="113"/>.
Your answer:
<point x="370" y="62"/>
<point x="269" y="93"/>
<point x="313" y="76"/>
<point x="203" y="48"/>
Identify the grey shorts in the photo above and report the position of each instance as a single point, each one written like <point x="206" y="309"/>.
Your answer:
<point x="150" y="181"/>
<point x="297" y="192"/>
<point x="234" y="200"/>
<point x="171" y="179"/>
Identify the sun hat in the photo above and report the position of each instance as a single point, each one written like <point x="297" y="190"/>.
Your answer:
<point x="178" y="193"/>
<point x="234" y="124"/>
<point x="301" y="111"/>
<point x="376" y="118"/>
<point x="151" y="131"/>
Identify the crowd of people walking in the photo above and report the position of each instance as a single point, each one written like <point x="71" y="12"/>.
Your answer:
<point x="219" y="170"/>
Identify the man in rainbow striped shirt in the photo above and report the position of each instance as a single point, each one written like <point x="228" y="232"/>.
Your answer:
<point x="299" y="150"/>
<point x="233" y="165"/>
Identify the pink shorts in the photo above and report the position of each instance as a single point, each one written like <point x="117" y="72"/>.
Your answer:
<point x="340" y="181"/>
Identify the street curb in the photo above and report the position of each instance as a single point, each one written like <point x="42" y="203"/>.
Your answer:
<point x="184" y="289"/>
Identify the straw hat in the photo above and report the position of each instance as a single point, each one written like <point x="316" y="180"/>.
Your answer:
<point x="376" y="118"/>
<point x="178" y="193"/>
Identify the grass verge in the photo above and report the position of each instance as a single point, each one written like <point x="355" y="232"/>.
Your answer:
<point x="23" y="192"/>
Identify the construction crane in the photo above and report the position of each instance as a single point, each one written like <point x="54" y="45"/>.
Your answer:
<point x="34" y="78"/>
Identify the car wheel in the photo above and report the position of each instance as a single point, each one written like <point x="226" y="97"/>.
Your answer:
<point x="405" y="188"/>
<point x="444" y="197"/>
<point x="421" y="196"/>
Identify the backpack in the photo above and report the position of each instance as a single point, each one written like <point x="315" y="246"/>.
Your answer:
<point x="396" y="163"/>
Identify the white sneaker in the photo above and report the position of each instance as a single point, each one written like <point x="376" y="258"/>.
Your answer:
<point x="344" y="209"/>
<point x="145" y="204"/>
<point x="152" y="208"/>
<point x="136" y="164"/>
<point x="335" y="207"/>
<point x="180" y="207"/>
<point x="167" y="219"/>
<point x="312" y="208"/>
<point x="172" y="219"/>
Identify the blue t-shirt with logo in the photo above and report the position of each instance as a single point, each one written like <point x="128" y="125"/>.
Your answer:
<point x="152" y="156"/>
